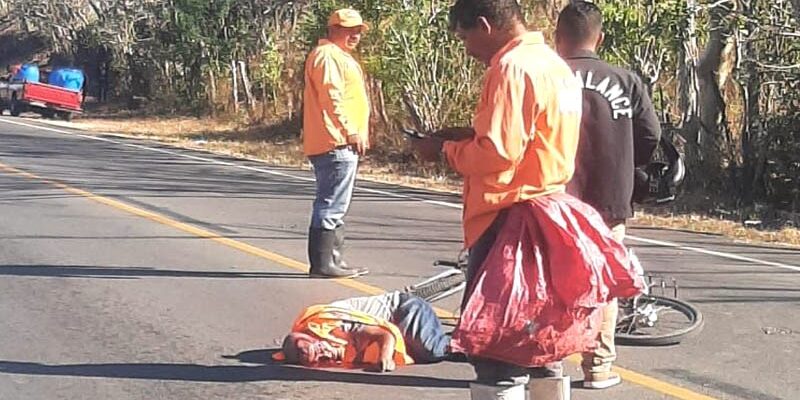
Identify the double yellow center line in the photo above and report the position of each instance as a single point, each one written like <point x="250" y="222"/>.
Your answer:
<point x="630" y="376"/>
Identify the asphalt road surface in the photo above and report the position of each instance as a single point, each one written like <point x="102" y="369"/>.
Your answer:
<point x="133" y="270"/>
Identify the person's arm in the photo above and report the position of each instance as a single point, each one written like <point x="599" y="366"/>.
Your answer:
<point x="500" y="135"/>
<point x="367" y="335"/>
<point x="646" y="127"/>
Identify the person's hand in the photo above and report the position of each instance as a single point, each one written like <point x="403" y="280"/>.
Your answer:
<point x="386" y="364"/>
<point x="358" y="144"/>
<point x="428" y="148"/>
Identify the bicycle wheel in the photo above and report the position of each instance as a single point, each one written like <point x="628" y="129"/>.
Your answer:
<point x="657" y="321"/>
<point x="439" y="287"/>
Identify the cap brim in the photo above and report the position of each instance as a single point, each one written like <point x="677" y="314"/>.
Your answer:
<point x="279" y="356"/>
<point x="363" y="26"/>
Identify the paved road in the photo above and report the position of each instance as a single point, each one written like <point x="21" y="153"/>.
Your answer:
<point x="131" y="270"/>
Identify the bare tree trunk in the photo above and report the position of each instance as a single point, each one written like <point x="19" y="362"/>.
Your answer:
<point x="550" y="9"/>
<point x="212" y="95"/>
<point x="751" y="123"/>
<point x="251" y="101"/>
<point x="378" y="102"/>
<point x="688" y="88"/>
<point x="688" y="83"/>
<point x="713" y="72"/>
<point x="235" y="84"/>
<point x="168" y="75"/>
<point x="264" y="101"/>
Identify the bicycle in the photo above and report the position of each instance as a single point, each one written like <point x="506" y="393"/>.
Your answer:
<point x="645" y="320"/>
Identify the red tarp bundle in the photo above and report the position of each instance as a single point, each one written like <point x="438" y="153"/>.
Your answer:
<point x="535" y="299"/>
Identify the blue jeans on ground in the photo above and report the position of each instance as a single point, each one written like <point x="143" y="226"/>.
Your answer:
<point x="335" y="173"/>
<point x="421" y="329"/>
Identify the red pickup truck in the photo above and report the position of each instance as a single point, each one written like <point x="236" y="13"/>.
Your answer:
<point x="41" y="98"/>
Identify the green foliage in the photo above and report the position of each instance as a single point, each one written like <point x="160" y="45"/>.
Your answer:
<point x="644" y="35"/>
<point x="169" y="50"/>
<point x="426" y="68"/>
<point x="632" y="24"/>
<point x="270" y="69"/>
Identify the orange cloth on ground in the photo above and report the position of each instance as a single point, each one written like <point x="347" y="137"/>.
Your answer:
<point x="526" y="132"/>
<point x="335" y="101"/>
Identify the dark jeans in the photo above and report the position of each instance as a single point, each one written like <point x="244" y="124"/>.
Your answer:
<point x="493" y="372"/>
<point x="422" y="330"/>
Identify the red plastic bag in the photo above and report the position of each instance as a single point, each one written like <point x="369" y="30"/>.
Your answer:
<point x="536" y="297"/>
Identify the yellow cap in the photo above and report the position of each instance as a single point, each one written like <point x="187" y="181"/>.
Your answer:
<point x="347" y="18"/>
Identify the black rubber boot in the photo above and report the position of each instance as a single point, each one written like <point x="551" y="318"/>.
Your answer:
<point x="320" y="255"/>
<point x="338" y="253"/>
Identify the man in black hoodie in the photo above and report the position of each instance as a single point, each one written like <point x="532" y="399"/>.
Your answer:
<point x="619" y="132"/>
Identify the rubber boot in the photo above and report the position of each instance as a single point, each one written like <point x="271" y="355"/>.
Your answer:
<point x="338" y="253"/>
<point x="480" y="391"/>
<point x="320" y="255"/>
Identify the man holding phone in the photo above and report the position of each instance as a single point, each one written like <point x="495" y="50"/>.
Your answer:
<point x="516" y="161"/>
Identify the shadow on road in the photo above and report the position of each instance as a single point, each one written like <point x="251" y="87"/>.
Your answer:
<point x="263" y="372"/>
<point x="85" y="271"/>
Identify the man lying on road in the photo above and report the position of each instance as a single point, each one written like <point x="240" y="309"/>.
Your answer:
<point x="380" y="332"/>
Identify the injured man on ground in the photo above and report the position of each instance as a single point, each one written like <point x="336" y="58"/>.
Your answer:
<point x="377" y="332"/>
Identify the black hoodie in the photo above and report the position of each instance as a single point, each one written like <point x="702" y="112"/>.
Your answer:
<point x="619" y="131"/>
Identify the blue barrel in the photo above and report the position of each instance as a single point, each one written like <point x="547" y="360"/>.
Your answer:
<point x="68" y="78"/>
<point x="28" y="73"/>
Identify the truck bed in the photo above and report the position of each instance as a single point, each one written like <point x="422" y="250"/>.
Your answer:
<point x="49" y="96"/>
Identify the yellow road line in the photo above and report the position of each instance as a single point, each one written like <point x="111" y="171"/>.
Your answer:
<point x="249" y="249"/>
<point x="630" y="376"/>
<point x="651" y="383"/>
<point x="660" y="386"/>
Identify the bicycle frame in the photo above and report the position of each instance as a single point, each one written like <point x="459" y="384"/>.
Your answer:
<point x="442" y="275"/>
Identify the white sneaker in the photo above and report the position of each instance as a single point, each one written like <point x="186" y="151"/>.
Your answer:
<point x="601" y="380"/>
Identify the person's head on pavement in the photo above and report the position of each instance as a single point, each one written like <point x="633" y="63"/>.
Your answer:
<point x="579" y="27"/>
<point x="486" y="26"/>
<point x="345" y="27"/>
<point x="304" y="349"/>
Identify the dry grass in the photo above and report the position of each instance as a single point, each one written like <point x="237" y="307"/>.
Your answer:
<point x="703" y="224"/>
<point x="279" y="145"/>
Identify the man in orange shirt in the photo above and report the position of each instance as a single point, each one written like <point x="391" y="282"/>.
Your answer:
<point x="335" y="134"/>
<point x="519" y="154"/>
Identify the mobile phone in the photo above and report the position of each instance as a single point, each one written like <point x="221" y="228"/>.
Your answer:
<point x="413" y="134"/>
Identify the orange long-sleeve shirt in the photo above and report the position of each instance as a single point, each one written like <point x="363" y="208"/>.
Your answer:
<point x="526" y="133"/>
<point x="335" y="100"/>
